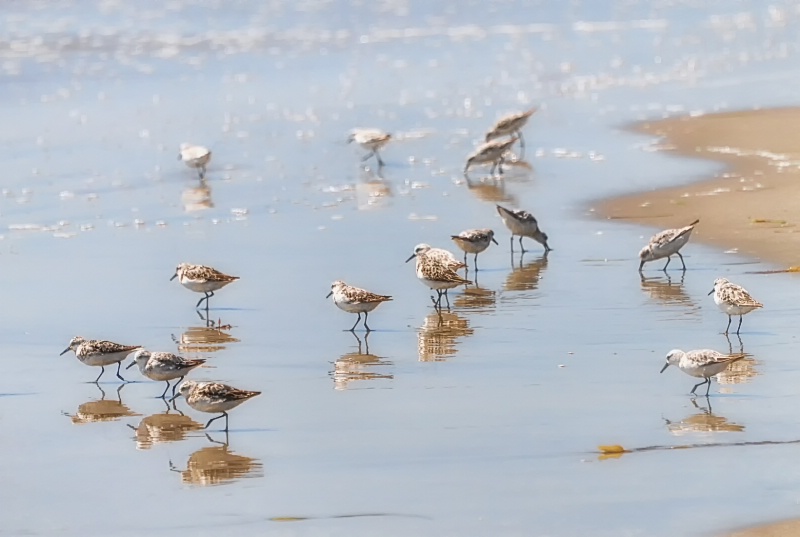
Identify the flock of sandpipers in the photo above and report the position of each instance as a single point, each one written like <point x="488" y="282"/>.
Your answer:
<point x="435" y="267"/>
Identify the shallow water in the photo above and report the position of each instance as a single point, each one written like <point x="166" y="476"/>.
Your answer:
<point x="485" y="420"/>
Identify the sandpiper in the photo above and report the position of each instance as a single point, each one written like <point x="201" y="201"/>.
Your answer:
<point x="523" y="224"/>
<point x="213" y="397"/>
<point x="370" y="139"/>
<point x="435" y="273"/>
<point x="733" y="300"/>
<point x="474" y="241"/>
<point x="202" y="279"/>
<point x="195" y="156"/>
<point x="494" y="152"/>
<point x="100" y="353"/>
<point x="511" y="124"/>
<point x="665" y="244"/>
<point x="355" y="300"/>
<point x="703" y="363"/>
<point x="164" y="366"/>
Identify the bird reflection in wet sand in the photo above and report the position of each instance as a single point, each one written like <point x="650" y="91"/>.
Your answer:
<point x="372" y="192"/>
<point x="491" y="189"/>
<point x="171" y="425"/>
<point x="525" y="277"/>
<point x="360" y="365"/>
<point x="738" y="372"/>
<point x="668" y="291"/>
<point x="197" y="197"/>
<point x="438" y="335"/>
<point x="703" y="422"/>
<point x="203" y="339"/>
<point x="218" y="465"/>
<point x="476" y="298"/>
<point x="102" y="409"/>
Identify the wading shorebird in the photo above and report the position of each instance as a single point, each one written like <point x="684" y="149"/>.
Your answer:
<point x="195" y="156"/>
<point x="100" y="353"/>
<point x="666" y="244"/>
<point x="474" y="241"/>
<point x="511" y="125"/>
<point x="370" y="139"/>
<point x="733" y="299"/>
<point x="213" y="397"/>
<point x="523" y="224"/>
<point x="354" y="300"/>
<point x="703" y="364"/>
<point x="494" y="152"/>
<point x="164" y="366"/>
<point x="435" y="273"/>
<point x="201" y="279"/>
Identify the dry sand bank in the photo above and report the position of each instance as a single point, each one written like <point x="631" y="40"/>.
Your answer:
<point x="753" y="205"/>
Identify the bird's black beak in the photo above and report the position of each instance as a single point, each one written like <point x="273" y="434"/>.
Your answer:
<point x="664" y="368"/>
<point x="174" y="397"/>
<point x="130" y="365"/>
<point x="174" y="276"/>
<point x="711" y="292"/>
<point x="329" y="294"/>
<point x="494" y="241"/>
<point x="64" y="351"/>
<point x="410" y="258"/>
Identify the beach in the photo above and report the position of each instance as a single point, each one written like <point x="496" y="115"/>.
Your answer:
<point x="750" y="206"/>
<point x="491" y="418"/>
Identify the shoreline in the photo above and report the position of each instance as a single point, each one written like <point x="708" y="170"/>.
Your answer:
<point x="750" y="207"/>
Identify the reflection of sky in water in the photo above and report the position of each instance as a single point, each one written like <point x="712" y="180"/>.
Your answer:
<point x="96" y="211"/>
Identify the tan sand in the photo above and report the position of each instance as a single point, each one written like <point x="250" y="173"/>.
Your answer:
<point x="752" y="206"/>
<point x="788" y="528"/>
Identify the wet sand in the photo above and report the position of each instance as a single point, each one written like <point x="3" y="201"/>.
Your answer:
<point x="751" y="205"/>
<point x="482" y="420"/>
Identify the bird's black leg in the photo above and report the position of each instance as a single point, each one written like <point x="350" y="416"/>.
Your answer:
<point x="205" y="297"/>
<point x="447" y="297"/>
<point x="729" y="324"/>
<point x="521" y="141"/>
<point x="500" y="165"/>
<point x="476" y="262"/>
<point x="367" y="156"/>
<point x="216" y="418"/>
<point x="352" y="329"/>
<point x="119" y="364"/>
<point x="465" y="259"/>
<point x="708" y="386"/>
<point x="682" y="263"/>
<point x="512" y="243"/>
<point x="175" y="386"/>
<point x="378" y="156"/>
<point x="102" y="370"/>
<point x="740" y="325"/>
<point x="669" y="258"/>
<point x="494" y="166"/>
<point x="163" y="395"/>
<point x="697" y="386"/>
<point x="520" y="245"/>
<point x="366" y="314"/>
